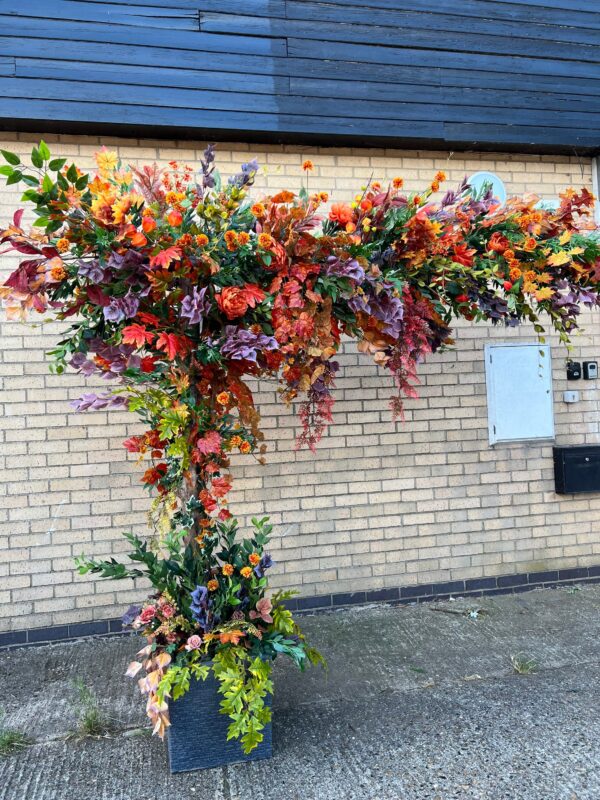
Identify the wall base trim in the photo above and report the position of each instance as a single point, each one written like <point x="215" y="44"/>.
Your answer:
<point x="403" y="595"/>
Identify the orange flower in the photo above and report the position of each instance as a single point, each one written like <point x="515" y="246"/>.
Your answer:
<point x="257" y="210"/>
<point x="416" y="200"/>
<point x="243" y="237"/>
<point x="235" y="441"/>
<point x="308" y="165"/>
<point x="58" y="274"/>
<point x="340" y="213"/>
<point x="212" y="585"/>
<point x="245" y="447"/>
<point x="266" y="241"/>
<point x="254" y="559"/>
<point x="227" y="570"/>
<point x="398" y="183"/>
<point x="231" y="240"/>
<point x="201" y="240"/>
<point x="440" y="176"/>
<point x="530" y="244"/>
<point x="175" y="218"/>
<point x="246" y="572"/>
<point x="323" y="197"/>
<point x="223" y="398"/>
<point x="62" y="245"/>
<point x="435" y="185"/>
<point x="509" y="254"/>
<point x="148" y="224"/>
<point x="515" y="274"/>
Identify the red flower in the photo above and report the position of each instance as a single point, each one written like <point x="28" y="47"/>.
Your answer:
<point x="341" y="214"/>
<point x="498" y="243"/>
<point x="232" y="302"/>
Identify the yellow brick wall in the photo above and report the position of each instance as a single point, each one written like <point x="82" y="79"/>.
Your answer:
<point x="380" y="504"/>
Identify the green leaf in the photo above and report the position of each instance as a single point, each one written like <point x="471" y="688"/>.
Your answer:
<point x="5" y="169"/>
<point x="30" y="180"/>
<point x="36" y="158"/>
<point x="72" y="173"/>
<point x="44" y="150"/>
<point x="47" y="183"/>
<point x="57" y="163"/>
<point x="14" y="178"/>
<point x="41" y="222"/>
<point x="12" y="158"/>
<point x="82" y="182"/>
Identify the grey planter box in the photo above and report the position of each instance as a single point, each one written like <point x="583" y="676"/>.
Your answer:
<point x="197" y="736"/>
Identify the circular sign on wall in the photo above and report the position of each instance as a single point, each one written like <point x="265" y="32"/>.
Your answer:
<point x="480" y="178"/>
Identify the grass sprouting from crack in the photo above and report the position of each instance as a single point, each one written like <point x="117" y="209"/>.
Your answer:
<point x="91" y="720"/>
<point x="11" y="740"/>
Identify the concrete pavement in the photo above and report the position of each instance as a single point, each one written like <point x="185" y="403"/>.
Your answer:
<point x="420" y="703"/>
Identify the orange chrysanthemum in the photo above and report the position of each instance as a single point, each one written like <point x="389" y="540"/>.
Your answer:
<point x="227" y="570"/>
<point x="266" y="241"/>
<point x="246" y="572"/>
<point x="308" y="165"/>
<point x="257" y="210"/>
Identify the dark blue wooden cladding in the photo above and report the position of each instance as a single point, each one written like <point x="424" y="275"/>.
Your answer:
<point x="510" y="74"/>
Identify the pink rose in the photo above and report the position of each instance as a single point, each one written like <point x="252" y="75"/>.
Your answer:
<point x="193" y="643"/>
<point x="167" y="611"/>
<point x="147" y="614"/>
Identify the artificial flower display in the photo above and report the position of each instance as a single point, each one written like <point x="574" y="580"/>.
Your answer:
<point x="178" y="288"/>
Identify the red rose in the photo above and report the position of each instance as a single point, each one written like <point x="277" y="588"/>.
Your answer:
<point x="232" y="302"/>
<point x="507" y="286"/>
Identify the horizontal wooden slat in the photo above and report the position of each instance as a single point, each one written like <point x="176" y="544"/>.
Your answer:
<point x="433" y="19"/>
<point x="147" y="37"/>
<point x="164" y="77"/>
<point x="286" y="105"/>
<point x="207" y="122"/>
<point x="411" y="34"/>
<point x="7" y="66"/>
<point x="373" y="54"/>
<point x="422" y="93"/>
<point x="113" y="14"/>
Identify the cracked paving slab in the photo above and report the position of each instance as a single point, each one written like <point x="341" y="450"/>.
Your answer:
<point x="419" y="703"/>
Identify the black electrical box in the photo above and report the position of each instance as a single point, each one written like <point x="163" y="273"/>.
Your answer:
<point x="577" y="469"/>
<point x="573" y="370"/>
